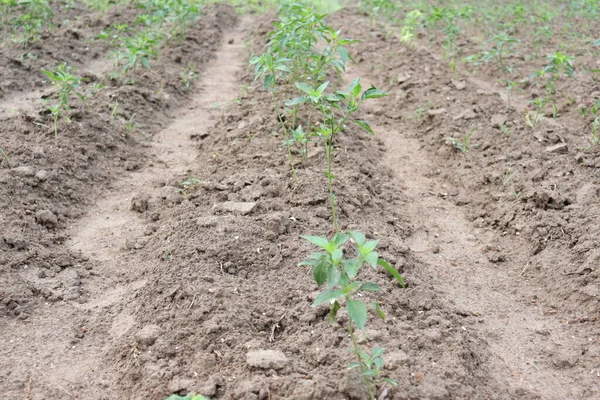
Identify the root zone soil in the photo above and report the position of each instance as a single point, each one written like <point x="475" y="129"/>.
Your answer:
<point x="215" y="277"/>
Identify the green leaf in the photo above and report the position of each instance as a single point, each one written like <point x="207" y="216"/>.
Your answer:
<point x="365" y="125"/>
<point x="358" y="237"/>
<point x="373" y="93"/>
<point x="378" y="362"/>
<point x="333" y="312"/>
<point x="355" y="87"/>
<point x="340" y="238"/>
<point x="283" y="68"/>
<point x="328" y="295"/>
<point x="343" y="93"/>
<point x="371" y="258"/>
<point x="352" y="266"/>
<point x="344" y="56"/>
<point x="378" y="310"/>
<point x="357" y="311"/>
<point x="305" y="87"/>
<point x="392" y="271"/>
<point x="333" y="275"/>
<point x="322" y="88"/>
<point x="353" y="365"/>
<point x="351" y="41"/>
<point x="390" y="381"/>
<point x="269" y="82"/>
<point x="368" y="246"/>
<point x="336" y="256"/>
<point x="295" y="101"/>
<point x="320" y="271"/>
<point x="318" y="241"/>
<point x="377" y="352"/>
<point x="370" y="287"/>
<point x="333" y="98"/>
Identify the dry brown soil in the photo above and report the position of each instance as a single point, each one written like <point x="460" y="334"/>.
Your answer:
<point x="134" y="266"/>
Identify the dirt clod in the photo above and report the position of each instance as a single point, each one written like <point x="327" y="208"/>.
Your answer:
<point x="140" y="203"/>
<point x="267" y="359"/>
<point x="241" y="208"/>
<point x="148" y="335"/>
<point x="46" y="218"/>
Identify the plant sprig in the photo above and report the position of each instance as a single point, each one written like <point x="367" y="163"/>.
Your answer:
<point x="339" y="274"/>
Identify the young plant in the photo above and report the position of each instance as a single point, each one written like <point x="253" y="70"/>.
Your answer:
<point x="188" y="75"/>
<point x="139" y="50"/>
<point x="272" y="69"/>
<point x="411" y="21"/>
<point x="595" y="138"/>
<point x="336" y="109"/>
<point x="301" y="139"/>
<point x="67" y="84"/>
<point x="560" y="64"/>
<point x="447" y="19"/>
<point x="5" y="157"/>
<point x="497" y="54"/>
<point x="29" y="19"/>
<point x="339" y="274"/>
<point x="462" y="144"/>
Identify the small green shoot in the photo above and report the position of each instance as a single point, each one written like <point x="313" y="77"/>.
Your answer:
<point x="5" y="157"/>
<point x="499" y="51"/>
<point x="560" y="64"/>
<point x="462" y="144"/>
<point x="188" y="75"/>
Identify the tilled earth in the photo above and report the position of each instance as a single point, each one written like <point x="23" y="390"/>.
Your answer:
<point x="502" y="295"/>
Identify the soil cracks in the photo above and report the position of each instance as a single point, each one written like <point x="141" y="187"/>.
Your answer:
<point x="520" y="333"/>
<point x="107" y="230"/>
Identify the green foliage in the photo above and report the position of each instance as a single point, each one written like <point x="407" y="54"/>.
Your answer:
<point x="339" y="274"/>
<point x="559" y="65"/>
<point x="336" y="109"/>
<point x="501" y="47"/>
<point x="446" y="19"/>
<point x="301" y="49"/>
<point x="380" y="7"/>
<point x="411" y="21"/>
<point x="188" y="75"/>
<point x="66" y="84"/>
<point x="462" y="144"/>
<point x="162" y="22"/>
<point x="26" y="19"/>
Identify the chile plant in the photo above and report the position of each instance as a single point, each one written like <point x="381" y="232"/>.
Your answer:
<point x="339" y="274"/>
<point x="411" y="21"/>
<point x="560" y="64"/>
<point x="273" y="69"/>
<point x="292" y="56"/>
<point x="67" y="84"/>
<point x="497" y="54"/>
<point x="336" y="109"/>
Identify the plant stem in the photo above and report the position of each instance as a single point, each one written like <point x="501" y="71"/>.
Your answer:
<point x="5" y="157"/>
<point x="285" y="135"/>
<point x="55" y="117"/>
<point x="356" y="350"/>
<point x="328" y="151"/>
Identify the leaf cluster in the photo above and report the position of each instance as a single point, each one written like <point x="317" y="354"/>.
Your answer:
<point x="339" y="274"/>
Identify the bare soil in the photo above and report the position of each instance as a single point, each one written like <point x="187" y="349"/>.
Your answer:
<point x="145" y="264"/>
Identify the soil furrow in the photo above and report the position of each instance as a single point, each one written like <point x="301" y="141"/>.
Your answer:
<point x="103" y="236"/>
<point x="536" y="352"/>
